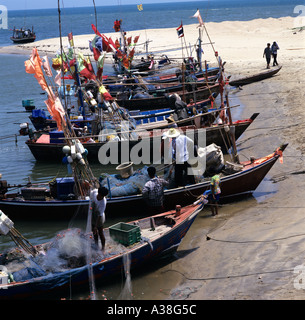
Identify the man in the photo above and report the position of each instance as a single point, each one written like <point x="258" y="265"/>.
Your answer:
<point x="153" y="191"/>
<point x="98" y="203"/>
<point x="267" y="54"/>
<point x="215" y="194"/>
<point x="274" y="49"/>
<point x="180" y="147"/>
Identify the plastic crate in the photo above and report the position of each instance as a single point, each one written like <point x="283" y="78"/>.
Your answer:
<point x="28" y="103"/>
<point x="125" y="233"/>
<point x="64" y="187"/>
<point x="56" y="137"/>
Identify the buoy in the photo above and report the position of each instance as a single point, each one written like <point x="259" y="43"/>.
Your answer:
<point x="79" y="156"/>
<point x="69" y="158"/>
<point x="66" y="149"/>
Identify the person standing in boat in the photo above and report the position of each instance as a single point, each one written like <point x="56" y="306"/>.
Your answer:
<point x="98" y="203"/>
<point x="153" y="191"/>
<point x="215" y="194"/>
<point x="267" y="54"/>
<point x="274" y="49"/>
<point x="180" y="148"/>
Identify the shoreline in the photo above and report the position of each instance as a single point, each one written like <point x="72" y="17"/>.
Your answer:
<point x="254" y="246"/>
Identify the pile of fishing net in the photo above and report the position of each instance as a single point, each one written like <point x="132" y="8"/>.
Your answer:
<point x="119" y="186"/>
<point x="66" y="251"/>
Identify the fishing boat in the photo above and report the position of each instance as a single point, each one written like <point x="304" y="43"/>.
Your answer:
<point x="255" y="77"/>
<point x="236" y="179"/>
<point x="162" y="99"/>
<point x="23" y="35"/>
<point x="137" y="84"/>
<point x="142" y="241"/>
<point x="48" y="147"/>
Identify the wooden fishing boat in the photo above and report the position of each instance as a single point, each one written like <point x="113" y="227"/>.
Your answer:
<point x="171" y="77"/>
<point x="163" y="100"/>
<point x="255" y="77"/>
<point x="152" y="238"/>
<point x="41" y="120"/>
<point x="137" y="85"/>
<point x="235" y="180"/>
<point x="46" y="149"/>
<point x="23" y="35"/>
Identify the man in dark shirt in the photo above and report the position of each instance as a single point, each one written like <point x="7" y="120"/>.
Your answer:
<point x="267" y="54"/>
<point x="153" y="191"/>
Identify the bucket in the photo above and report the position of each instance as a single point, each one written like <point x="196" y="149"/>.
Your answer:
<point x="125" y="169"/>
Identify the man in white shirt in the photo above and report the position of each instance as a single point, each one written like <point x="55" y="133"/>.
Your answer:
<point x="180" y="146"/>
<point x="98" y="203"/>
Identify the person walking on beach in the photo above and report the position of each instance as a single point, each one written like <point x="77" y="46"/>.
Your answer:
<point x="267" y="54"/>
<point x="215" y="194"/>
<point x="153" y="191"/>
<point x="98" y="203"/>
<point x="274" y="49"/>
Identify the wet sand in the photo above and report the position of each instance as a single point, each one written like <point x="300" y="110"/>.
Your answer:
<point x="255" y="244"/>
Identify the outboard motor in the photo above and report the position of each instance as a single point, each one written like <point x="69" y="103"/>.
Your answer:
<point x="24" y="129"/>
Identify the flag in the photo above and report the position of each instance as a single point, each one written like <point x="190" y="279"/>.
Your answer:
<point x="46" y="67"/>
<point x="180" y="31"/>
<point x="33" y="66"/>
<point x="93" y="47"/>
<point x="198" y="16"/>
<point x="84" y="67"/>
<point x="56" y="110"/>
<point x="140" y="7"/>
<point x="108" y="44"/>
<point x="57" y="79"/>
<point x="100" y="66"/>
<point x="70" y="38"/>
<point x="106" y="95"/>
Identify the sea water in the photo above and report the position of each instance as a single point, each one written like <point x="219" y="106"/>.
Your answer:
<point x="169" y="15"/>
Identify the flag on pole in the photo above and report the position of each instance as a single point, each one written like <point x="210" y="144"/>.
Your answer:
<point x="180" y="31"/>
<point x="198" y="16"/>
<point x="70" y="38"/>
<point x="140" y="7"/>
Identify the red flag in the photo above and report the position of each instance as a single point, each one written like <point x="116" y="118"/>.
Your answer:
<point x="95" y="30"/>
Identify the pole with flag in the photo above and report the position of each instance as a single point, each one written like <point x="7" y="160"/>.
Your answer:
<point x="180" y="34"/>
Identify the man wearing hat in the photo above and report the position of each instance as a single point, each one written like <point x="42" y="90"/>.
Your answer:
<point x="179" y="147"/>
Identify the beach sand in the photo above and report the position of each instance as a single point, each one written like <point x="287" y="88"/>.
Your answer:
<point x="255" y="243"/>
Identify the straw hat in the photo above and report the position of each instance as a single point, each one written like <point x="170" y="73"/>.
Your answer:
<point x="171" y="133"/>
<point x="170" y="118"/>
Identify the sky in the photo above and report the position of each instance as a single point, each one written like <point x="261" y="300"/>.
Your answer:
<point x="43" y="4"/>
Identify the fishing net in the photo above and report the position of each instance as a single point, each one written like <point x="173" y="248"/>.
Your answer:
<point x="123" y="187"/>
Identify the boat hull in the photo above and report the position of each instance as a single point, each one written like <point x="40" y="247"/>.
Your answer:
<point x="215" y="134"/>
<point x="163" y="101"/>
<point x="257" y="77"/>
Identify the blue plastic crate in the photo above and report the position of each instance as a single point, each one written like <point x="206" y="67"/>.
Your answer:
<point x="28" y="103"/>
<point x="56" y="137"/>
<point x="64" y="186"/>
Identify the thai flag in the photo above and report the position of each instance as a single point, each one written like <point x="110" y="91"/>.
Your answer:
<point x="180" y="31"/>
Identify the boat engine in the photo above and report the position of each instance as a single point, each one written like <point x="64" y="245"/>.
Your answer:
<point x="24" y="129"/>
